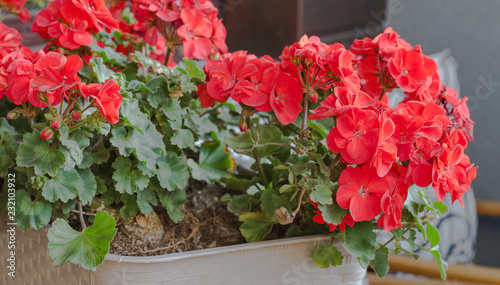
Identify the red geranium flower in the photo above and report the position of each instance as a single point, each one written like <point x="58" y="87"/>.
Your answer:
<point x="341" y="101"/>
<point x="386" y="153"/>
<point x="355" y="136"/>
<point x="420" y="166"/>
<point x="447" y="173"/>
<point x="286" y="98"/>
<point x="360" y="191"/>
<point x="106" y="97"/>
<point x="392" y="201"/>
<point x="196" y="33"/>
<point x="407" y="67"/>
<point x="57" y="74"/>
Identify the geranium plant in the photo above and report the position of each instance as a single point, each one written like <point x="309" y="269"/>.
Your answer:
<point x="104" y="124"/>
<point x="333" y="152"/>
<point x="95" y="128"/>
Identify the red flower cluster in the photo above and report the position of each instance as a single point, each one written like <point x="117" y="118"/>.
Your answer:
<point x="69" y="23"/>
<point x="195" y="23"/>
<point x="415" y="143"/>
<point x="43" y="79"/>
<point x="421" y="141"/>
<point x="255" y="82"/>
<point x="16" y="7"/>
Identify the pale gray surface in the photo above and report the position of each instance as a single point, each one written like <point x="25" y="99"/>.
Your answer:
<point x="471" y="30"/>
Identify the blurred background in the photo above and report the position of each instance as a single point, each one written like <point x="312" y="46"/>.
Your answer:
<point x="468" y="29"/>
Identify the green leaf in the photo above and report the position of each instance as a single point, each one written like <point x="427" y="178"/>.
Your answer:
<point x="238" y="184"/>
<point x="380" y="264"/>
<point x="319" y="128"/>
<point x="255" y="226"/>
<point x="6" y="128"/>
<point x="241" y="143"/>
<point x="29" y="214"/>
<point x="87" y="248"/>
<point x="159" y="91"/>
<point x="70" y="163"/>
<point x="173" y="202"/>
<point x="136" y="85"/>
<point x="65" y="185"/>
<point x="440" y="207"/>
<point x="74" y="142"/>
<point x="237" y="204"/>
<point x="183" y="139"/>
<point x="101" y="71"/>
<point x="320" y="192"/>
<point x="145" y="199"/>
<point x="191" y="68"/>
<point x="332" y="214"/>
<point x="128" y="180"/>
<point x="35" y="152"/>
<point x="97" y="153"/>
<point x="361" y="241"/>
<point x="147" y="147"/>
<point x="130" y="207"/>
<point x="412" y="237"/>
<point x="7" y="156"/>
<point x="272" y="201"/>
<point x="326" y="255"/>
<point x="264" y="134"/>
<point x="109" y="55"/>
<point x="132" y="115"/>
<point x="443" y="265"/>
<point x="111" y="196"/>
<point x="172" y="171"/>
<point x="214" y="162"/>
<point x="89" y="186"/>
<point x="432" y="235"/>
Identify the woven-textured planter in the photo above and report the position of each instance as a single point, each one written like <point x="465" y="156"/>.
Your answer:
<point x="284" y="261"/>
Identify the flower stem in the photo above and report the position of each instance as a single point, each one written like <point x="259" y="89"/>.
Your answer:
<point x="82" y="221"/>
<point x="299" y="201"/>
<point x="283" y="144"/>
<point x="305" y="119"/>
<point x="169" y="50"/>
<point x="257" y="158"/>
<point x="334" y="162"/>
<point x="393" y="238"/>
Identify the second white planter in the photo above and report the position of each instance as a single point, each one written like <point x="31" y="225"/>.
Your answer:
<point x="284" y="261"/>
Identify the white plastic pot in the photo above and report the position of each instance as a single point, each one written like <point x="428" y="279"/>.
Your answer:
<point x="284" y="261"/>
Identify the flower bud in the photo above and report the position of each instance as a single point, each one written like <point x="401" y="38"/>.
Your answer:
<point x="47" y="133"/>
<point x="38" y="181"/>
<point x="76" y="116"/>
<point x="243" y="125"/>
<point x="12" y="115"/>
<point x="313" y="96"/>
<point x="55" y="124"/>
<point x="48" y="116"/>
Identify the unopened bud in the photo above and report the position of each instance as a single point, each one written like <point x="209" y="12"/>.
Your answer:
<point x="76" y="116"/>
<point x="47" y="133"/>
<point x="243" y="125"/>
<point x="56" y="124"/>
<point x="48" y="116"/>
<point x="12" y="115"/>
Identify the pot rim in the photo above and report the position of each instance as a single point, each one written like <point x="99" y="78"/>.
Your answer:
<point x="213" y="251"/>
